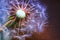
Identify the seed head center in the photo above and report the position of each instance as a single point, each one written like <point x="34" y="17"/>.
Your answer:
<point x="20" y="14"/>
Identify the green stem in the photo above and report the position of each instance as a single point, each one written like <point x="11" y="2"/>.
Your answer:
<point x="1" y="35"/>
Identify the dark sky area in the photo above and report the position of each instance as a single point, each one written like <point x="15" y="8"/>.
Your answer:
<point x="53" y="10"/>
